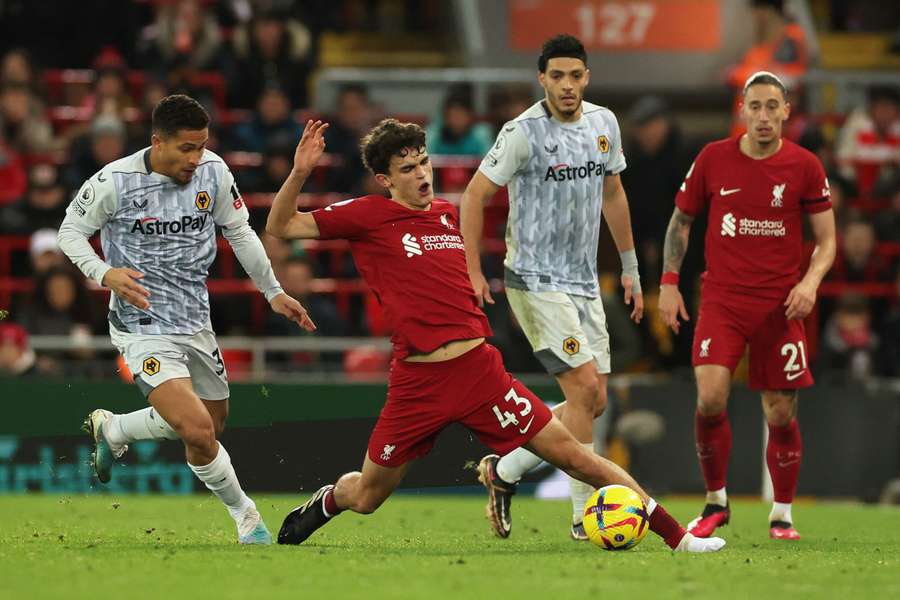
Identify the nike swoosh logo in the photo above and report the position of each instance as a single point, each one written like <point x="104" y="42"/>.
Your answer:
<point x="525" y="429"/>
<point x="724" y="192"/>
<point x="793" y="376"/>
<point x="788" y="463"/>
<point x="100" y="177"/>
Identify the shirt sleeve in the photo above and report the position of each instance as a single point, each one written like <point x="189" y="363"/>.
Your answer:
<point x="616" y="163"/>
<point x="342" y="220"/>
<point x="816" y="195"/>
<point x="229" y="210"/>
<point x="252" y="256"/>
<point x="509" y="153"/>
<point x="692" y="196"/>
<point x="91" y="208"/>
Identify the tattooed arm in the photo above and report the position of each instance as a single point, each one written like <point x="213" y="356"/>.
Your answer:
<point x="671" y="304"/>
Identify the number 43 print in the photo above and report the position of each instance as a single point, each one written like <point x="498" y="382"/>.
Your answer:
<point x="521" y="408"/>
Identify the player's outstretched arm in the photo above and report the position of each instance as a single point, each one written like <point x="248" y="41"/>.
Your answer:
<point x="802" y="297"/>
<point x="618" y="218"/>
<point x="471" y="214"/>
<point x="284" y="220"/>
<point x="671" y="304"/>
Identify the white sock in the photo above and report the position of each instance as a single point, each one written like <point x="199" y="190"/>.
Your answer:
<point x="144" y="424"/>
<point x="221" y="480"/>
<point x="719" y="497"/>
<point x="580" y="491"/>
<point x="511" y="467"/>
<point x="781" y="512"/>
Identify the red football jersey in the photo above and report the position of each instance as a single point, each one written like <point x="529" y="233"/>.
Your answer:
<point x="415" y="263"/>
<point x="754" y="238"/>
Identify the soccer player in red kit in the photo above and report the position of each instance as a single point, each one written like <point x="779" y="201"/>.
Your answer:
<point x="409" y="250"/>
<point x="755" y="189"/>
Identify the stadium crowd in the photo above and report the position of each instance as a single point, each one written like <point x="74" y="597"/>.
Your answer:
<point x="250" y="64"/>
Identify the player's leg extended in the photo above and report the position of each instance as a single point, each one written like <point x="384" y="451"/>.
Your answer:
<point x="783" y="455"/>
<point x="569" y="346"/>
<point x="713" y="441"/>
<point x="557" y="446"/>
<point x="218" y="410"/>
<point x="362" y="492"/>
<point x="179" y="406"/>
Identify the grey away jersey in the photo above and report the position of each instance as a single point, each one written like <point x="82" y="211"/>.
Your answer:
<point x="554" y="172"/>
<point x="167" y="231"/>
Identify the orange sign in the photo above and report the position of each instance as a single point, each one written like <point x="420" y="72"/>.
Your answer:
<point x="680" y="25"/>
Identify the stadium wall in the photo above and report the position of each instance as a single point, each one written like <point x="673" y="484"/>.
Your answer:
<point x="296" y="437"/>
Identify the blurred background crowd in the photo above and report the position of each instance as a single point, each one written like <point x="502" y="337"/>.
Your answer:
<point x="78" y="82"/>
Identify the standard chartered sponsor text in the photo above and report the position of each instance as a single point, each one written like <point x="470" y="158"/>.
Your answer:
<point x="762" y="227"/>
<point x="446" y="241"/>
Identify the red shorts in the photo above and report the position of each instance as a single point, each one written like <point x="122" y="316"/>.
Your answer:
<point x="779" y="353"/>
<point x="473" y="389"/>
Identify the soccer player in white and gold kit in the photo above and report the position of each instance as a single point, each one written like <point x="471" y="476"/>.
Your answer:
<point x="157" y="211"/>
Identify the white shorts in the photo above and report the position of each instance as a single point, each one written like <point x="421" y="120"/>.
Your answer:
<point x="565" y="331"/>
<point x="154" y="359"/>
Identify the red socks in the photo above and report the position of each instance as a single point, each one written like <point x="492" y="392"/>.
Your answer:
<point x="329" y="504"/>
<point x="663" y="525"/>
<point x="713" y="448"/>
<point x="783" y="454"/>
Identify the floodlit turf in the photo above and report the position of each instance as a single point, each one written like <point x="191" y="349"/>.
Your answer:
<point x="425" y="547"/>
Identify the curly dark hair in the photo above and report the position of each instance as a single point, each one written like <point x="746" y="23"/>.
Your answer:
<point x="178" y="111"/>
<point x="388" y="139"/>
<point x="561" y="46"/>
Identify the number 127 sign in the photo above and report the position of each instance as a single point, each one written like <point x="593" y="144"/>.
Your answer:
<point x="680" y="25"/>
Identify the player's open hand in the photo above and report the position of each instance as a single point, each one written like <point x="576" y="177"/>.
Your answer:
<point x="291" y="309"/>
<point x="800" y="301"/>
<point x="637" y="312"/>
<point x="671" y="306"/>
<point x="311" y="147"/>
<point x="482" y="288"/>
<point x="123" y="282"/>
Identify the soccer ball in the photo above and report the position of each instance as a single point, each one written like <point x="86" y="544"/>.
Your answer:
<point x="615" y="518"/>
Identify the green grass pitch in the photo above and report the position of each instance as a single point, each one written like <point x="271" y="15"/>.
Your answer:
<point x="426" y="547"/>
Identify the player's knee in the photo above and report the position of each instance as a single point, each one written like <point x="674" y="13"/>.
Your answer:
<point x="199" y="434"/>
<point x="711" y="400"/>
<point x="779" y="407"/>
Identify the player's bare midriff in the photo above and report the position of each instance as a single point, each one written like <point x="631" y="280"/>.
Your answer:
<point x="448" y="351"/>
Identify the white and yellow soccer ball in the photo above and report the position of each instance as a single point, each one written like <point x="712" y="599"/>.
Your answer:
<point x="615" y="518"/>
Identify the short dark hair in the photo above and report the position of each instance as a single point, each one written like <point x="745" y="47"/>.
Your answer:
<point x="563" y="45"/>
<point x="388" y="139"/>
<point x="178" y="111"/>
<point x="882" y="93"/>
<point x="765" y="78"/>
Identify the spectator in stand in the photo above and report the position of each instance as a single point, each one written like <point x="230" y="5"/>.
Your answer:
<point x="44" y="251"/>
<point x="841" y="192"/>
<point x="272" y="119"/>
<point x="17" y="68"/>
<point x="182" y="34"/>
<point x="296" y="275"/>
<point x="105" y="142"/>
<point x="59" y="305"/>
<point x="457" y="131"/>
<point x="657" y="163"/>
<point x="17" y="359"/>
<point x="868" y="148"/>
<point x="850" y="346"/>
<point x="110" y="94"/>
<point x="44" y="204"/>
<point x="22" y="121"/>
<point x="13" y="178"/>
<point x="857" y="260"/>
<point x="271" y="50"/>
<point x="779" y="46"/>
<point x="278" y="160"/>
<point x="353" y="119"/>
